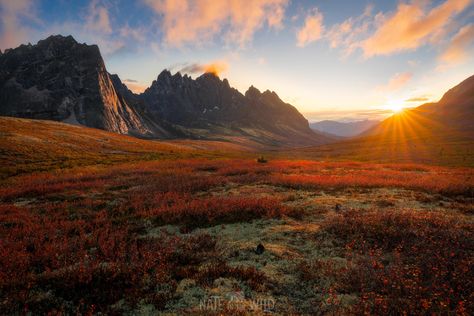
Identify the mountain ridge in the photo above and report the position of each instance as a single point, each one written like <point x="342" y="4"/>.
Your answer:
<point x="453" y="113"/>
<point x="343" y="129"/>
<point x="63" y="80"/>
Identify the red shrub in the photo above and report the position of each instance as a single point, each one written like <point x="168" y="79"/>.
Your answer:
<point x="406" y="261"/>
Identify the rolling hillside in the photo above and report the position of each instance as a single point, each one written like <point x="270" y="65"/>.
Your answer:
<point x="453" y="114"/>
<point x="434" y="133"/>
<point x="40" y="145"/>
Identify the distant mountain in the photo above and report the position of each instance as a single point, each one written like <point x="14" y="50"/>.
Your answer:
<point x="453" y="114"/>
<point x="344" y="129"/>
<point x="62" y="80"/>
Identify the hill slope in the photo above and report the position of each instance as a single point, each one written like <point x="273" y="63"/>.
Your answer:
<point x="453" y="114"/>
<point x="436" y="133"/>
<point x="38" y="145"/>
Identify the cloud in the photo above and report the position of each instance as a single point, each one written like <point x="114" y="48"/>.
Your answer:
<point x="215" y="68"/>
<point x="95" y="27"/>
<point x="312" y="29"/>
<point x="411" y="26"/>
<point x="396" y="82"/>
<point x="12" y="15"/>
<point x="348" y="115"/>
<point x="418" y="99"/>
<point x="199" y="21"/>
<point x="458" y="49"/>
<point x="97" y="19"/>
<point x="136" y="33"/>
<point x="350" y="32"/>
<point x="20" y="23"/>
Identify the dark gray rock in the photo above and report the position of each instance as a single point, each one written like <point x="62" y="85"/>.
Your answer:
<point x="260" y="249"/>
<point x="62" y="80"/>
<point x="209" y="103"/>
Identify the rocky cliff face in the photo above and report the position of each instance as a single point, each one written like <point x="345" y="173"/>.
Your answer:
<point x="62" y="80"/>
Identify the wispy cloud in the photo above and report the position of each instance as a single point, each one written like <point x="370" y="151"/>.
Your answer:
<point x="348" y="34"/>
<point x="312" y="30"/>
<point x="418" y="99"/>
<point x="348" y="115"/>
<point x="97" y="19"/>
<point x="14" y="30"/>
<point x="135" y="33"/>
<point x="459" y="47"/>
<point x="396" y="82"/>
<point x="411" y="26"/>
<point x="96" y="26"/>
<point x="200" y="21"/>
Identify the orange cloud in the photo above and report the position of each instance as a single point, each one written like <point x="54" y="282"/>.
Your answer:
<point x="457" y="50"/>
<point x="418" y="99"/>
<point x="312" y="29"/>
<point x="198" y="21"/>
<point x="410" y="27"/>
<point x="396" y="82"/>
<point x="215" y="68"/>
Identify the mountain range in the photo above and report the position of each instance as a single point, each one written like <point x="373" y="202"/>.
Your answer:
<point x="60" y="79"/>
<point x="343" y="129"/>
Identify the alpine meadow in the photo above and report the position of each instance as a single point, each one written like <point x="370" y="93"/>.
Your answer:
<point x="266" y="157"/>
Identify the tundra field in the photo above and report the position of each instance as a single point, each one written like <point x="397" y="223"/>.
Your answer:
<point x="236" y="157"/>
<point x="171" y="235"/>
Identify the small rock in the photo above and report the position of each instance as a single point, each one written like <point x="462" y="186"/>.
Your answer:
<point x="260" y="249"/>
<point x="338" y="207"/>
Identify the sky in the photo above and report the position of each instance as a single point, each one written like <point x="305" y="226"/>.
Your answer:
<point x="331" y="59"/>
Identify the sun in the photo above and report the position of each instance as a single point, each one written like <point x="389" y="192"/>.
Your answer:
<point x="396" y="108"/>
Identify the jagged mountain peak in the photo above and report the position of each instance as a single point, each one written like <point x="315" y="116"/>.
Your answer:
<point x="252" y="92"/>
<point x="61" y="79"/>
<point x="271" y="96"/>
<point x="164" y="74"/>
<point x="59" y="39"/>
